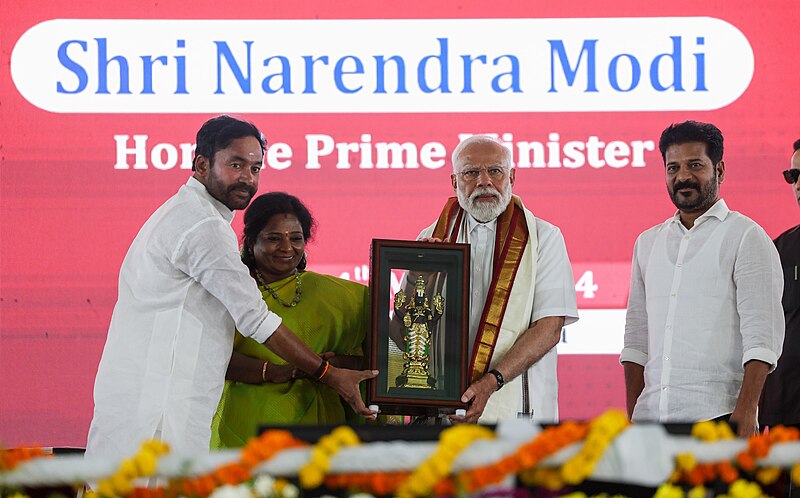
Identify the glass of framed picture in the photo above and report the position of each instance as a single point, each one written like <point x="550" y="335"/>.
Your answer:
<point x="419" y="294"/>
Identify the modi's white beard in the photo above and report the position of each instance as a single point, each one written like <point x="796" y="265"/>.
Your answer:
<point x="484" y="211"/>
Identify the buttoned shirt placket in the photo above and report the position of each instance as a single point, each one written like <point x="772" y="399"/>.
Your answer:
<point x="481" y="239"/>
<point x="669" y="328"/>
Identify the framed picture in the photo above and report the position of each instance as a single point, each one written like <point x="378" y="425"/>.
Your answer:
<point x="419" y="293"/>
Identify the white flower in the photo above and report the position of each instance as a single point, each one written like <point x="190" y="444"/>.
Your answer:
<point x="228" y="491"/>
<point x="362" y="495"/>
<point x="290" y="491"/>
<point x="264" y="486"/>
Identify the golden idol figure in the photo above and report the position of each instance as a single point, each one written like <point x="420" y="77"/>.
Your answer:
<point x="418" y="320"/>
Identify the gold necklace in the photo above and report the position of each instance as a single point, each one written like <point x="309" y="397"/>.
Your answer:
<point x="298" y="289"/>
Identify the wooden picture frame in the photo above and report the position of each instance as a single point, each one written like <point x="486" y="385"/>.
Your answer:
<point x="419" y="293"/>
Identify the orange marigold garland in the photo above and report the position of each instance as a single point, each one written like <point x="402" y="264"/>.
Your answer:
<point x="258" y="450"/>
<point x="527" y="456"/>
<point x="697" y="474"/>
<point x="10" y="458"/>
<point x="379" y="483"/>
<point x="758" y="446"/>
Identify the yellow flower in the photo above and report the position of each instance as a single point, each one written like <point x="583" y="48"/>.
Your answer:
<point x="346" y="435"/>
<point x="127" y="468"/>
<point x="667" y="490"/>
<point x="768" y="475"/>
<point x="145" y="463"/>
<point x="602" y="431"/>
<point x="313" y="473"/>
<point x="105" y="488"/>
<point x="123" y="485"/>
<point x="327" y="444"/>
<point x="697" y="492"/>
<point x="705" y="430"/>
<point x="685" y="461"/>
<point x="311" y="477"/>
<point x="744" y="489"/>
<point x="452" y="442"/>
<point x="796" y="474"/>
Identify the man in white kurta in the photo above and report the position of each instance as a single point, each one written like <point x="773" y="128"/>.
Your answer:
<point x="183" y="290"/>
<point x="542" y="298"/>
<point x="704" y="323"/>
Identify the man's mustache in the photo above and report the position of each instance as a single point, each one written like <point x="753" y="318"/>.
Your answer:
<point x="484" y="191"/>
<point x="242" y="186"/>
<point x="683" y="185"/>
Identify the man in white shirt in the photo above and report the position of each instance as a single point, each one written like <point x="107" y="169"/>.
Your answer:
<point x="182" y="291"/>
<point x="704" y="323"/>
<point x="522" y="290"/>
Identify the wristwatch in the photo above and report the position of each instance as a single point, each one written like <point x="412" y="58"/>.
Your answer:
<point x="498" y="377"/>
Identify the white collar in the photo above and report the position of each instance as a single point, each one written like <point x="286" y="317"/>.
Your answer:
<point x="197" y="186"/>
<point x="472" y="224"/>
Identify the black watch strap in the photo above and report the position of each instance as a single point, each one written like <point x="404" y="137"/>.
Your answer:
<point x="499" y="377"/>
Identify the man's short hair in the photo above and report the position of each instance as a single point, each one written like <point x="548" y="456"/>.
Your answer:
<point x="218" y="133"/>
<point x="693" y="131"/>
<point x="480" y="139"/>
<point x="796" y="145"/>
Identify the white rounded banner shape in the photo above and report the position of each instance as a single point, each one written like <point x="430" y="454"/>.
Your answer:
<point x="382" y="66"/>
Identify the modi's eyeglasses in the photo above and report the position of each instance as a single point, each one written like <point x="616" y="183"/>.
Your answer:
<point x="791" y="175"/>
<point x="472" y="174"/>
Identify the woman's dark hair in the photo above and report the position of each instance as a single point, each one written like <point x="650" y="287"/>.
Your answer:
<point x="263" y="208"/>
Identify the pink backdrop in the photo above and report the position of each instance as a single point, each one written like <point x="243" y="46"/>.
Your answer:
<point x="68" y="215"/>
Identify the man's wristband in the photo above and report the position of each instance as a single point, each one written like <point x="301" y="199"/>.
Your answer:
<point x="498" y="377"/>
<point x="321" y="371"/>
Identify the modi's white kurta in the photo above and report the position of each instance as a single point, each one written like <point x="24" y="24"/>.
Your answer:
<point x="183" y="289"/>
<point x="543" y="287"/>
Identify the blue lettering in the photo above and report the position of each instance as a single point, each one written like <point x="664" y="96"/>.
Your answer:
<point x="224" y="52"/>
<point x="701" y="67"/>
<point x="675" y="56"/>
<point x="557" y="47"/>
<point x="147" y="72"/>
<point x="636" y="73"/>
<point x="443" y="70"/>
<point x="338" y="72"/>
<point x="513" y="73"/>
<point x="310" y="61"/>
<point x="180" y="60"/>
<point x="72" y="66"/>
<point x="285" y="76"/>
<point x="468" y="60"/>
<point x="380" y="84"/>
<point x="102" y="69"/>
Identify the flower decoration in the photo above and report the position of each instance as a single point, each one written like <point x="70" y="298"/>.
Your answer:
<point x="602" y="431"/>
<point x="143" y="464"/>
<point x="313" y="473"/>
<point x="452" y="441"/>
<point x="527" y="456"/>
<point x="10" y="458"/>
